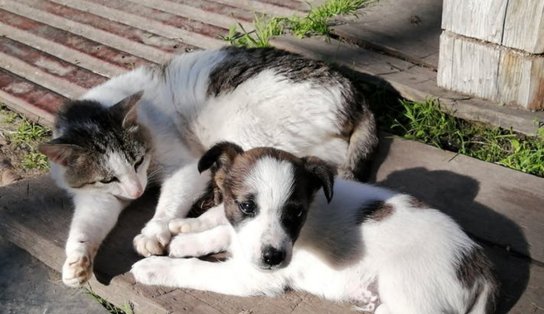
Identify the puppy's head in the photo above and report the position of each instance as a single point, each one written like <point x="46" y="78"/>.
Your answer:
<point x="267" y="193"/>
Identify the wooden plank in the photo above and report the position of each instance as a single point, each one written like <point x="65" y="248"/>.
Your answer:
<point x="468" y="66"/>
<point x="33" y="74"/>
<point x="408" y="29"/>
<point x="412" y="82"/>
<point x="477" y="191"/>
<point x="481" y="19"/>
<point x="111" y="21"/>
<point x="490" y="71"/>
<point x="262" y="7"/>
<point x="67" y="54"/>
<point x="194" y="13"/>
<point x="25" y="108"/>
<point x="106" y="38"/>
<point x="56" y="36"/>
<point x="243" y="14"/>
<point x="515" y="24"/>
<point x="524" y="26"/>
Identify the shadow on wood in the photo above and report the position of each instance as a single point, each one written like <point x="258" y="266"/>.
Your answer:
<point x="116" y="255"/>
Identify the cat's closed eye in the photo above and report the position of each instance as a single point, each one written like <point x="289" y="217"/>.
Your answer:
<point x="109" y="180"/>
<point x="138" y="163"/>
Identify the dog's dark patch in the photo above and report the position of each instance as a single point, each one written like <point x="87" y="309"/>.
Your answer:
<point x="205" y="202"/>
<point x="376" y="211"/>
<point x="369" y="301"/>
<point x="417" y="203"/>
<point x="473" y="269"/>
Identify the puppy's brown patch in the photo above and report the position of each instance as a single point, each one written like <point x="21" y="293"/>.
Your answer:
<point x="376" y="211"/>
<point x="235" y="188"/>
<point x="417" y="203"/>
<point x="473" y="267"/>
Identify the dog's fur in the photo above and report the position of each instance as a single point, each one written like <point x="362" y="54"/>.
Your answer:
<point x="386" y="252"/>
<point x="105" y="141"/>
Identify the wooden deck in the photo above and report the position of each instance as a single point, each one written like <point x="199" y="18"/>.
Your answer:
<point x="505" y="216"/>
<point x="51" y="50"/>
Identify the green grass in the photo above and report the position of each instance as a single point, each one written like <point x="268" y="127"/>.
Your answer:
<point x="24" y="135"/>
<point x="127" y="308"/>
<point x="428" y="123"/>
<point x="28" y="132"/>
<point x="35" y="160"/>
<point x="316" y="22"/>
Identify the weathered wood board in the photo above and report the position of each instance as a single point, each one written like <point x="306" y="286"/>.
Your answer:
<point x="516" y="24"/>
<point x="408" y="29"/>
<point x="490" y="71"/>
<point x="412" y="82"/>
<point x="35" y="215"/>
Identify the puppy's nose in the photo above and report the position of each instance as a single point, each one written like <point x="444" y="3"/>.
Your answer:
<point x="273" y="256"/>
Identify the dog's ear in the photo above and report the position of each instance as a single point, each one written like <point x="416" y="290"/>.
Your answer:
<point x="323" y="174"/>
<point x="221" y="154"/>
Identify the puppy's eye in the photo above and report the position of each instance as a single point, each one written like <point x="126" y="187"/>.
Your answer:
<point x="247" y="207"/>
<point x="138" y="163"/>
<point x="109" y="180"/>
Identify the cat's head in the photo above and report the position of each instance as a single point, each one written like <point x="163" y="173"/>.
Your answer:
<point x="102" y="149"/>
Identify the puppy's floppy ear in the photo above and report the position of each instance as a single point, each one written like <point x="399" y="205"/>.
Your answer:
<point x="59" y="152"/>
<point x="322" y="173"/>
<point x="222" y="154"/>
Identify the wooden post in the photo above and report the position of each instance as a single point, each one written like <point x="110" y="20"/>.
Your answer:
<point x="494" y="49"/>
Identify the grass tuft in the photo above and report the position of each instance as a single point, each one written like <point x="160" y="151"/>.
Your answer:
<point x="35" y="160"/>
<point x="316" y="22"/>
<point x="111" y="308"/>
<point x="29" y="132"/>
<point x="23" y="136"/>
<point x="428" y="123"/>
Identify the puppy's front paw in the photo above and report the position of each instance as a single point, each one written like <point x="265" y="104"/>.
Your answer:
<point x="77" y="269"/>
<point x="151" y="270"/>
<point x="186" y="245"/>
<point x="153" y="239"/>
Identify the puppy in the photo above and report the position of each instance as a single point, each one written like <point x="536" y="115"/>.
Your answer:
<point x="383" y="251"/>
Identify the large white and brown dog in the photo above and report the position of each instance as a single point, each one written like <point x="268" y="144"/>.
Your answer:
<point x="384" y="251"/>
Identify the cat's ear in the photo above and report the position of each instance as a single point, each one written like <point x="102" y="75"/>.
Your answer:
<point x="60" y="153"/>
<point x="222" y="154"/>
<point x="128" y="109"/>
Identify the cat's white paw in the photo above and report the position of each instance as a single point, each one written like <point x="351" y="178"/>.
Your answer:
<point x="77" y="269"/>
<point x="152" y="270"/>
<point x="186" y="225"/>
